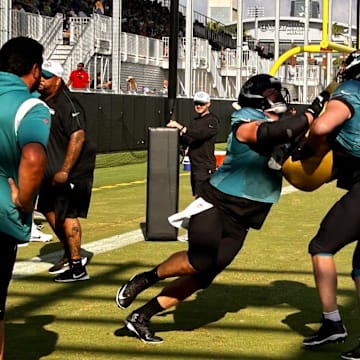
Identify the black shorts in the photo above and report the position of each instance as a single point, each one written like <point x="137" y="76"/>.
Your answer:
<point x="247" y="212"/>
<point x="197" y="178"/>
<point x="71" y="200"/>
<point x="214" y="240"/>
<point x="340" y="226"/>
<point x="8" y="249"/>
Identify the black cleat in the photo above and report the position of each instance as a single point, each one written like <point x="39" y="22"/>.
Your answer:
<point x="353" y="354"/>
<point x="141" y="328"/>
<point x="329" y="332"/>
<point x="72" y="276"/>
<point x="127" y="293"/>
<point x="63" y="264"/>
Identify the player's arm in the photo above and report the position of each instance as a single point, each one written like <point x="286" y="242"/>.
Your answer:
<point x="268" y="134"/>
<point x="31" y="171"/>
<point x="32" y="136"/>
<point x="335" y="114"/>
<point x="74" y="147"/>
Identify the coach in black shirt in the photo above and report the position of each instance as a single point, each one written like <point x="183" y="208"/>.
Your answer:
<point x="66" y="190"/>
<point x="199" y="138"/>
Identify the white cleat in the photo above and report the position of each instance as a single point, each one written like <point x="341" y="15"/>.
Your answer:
<point x="38" y="236"/>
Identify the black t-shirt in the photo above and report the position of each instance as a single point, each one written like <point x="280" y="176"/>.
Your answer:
<point x="67" y="116"/>
<point x="201" y="138"/>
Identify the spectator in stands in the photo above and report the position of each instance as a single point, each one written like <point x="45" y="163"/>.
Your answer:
<point x="79" y="78"/>
<point x="96" y="83"/>
<point x="45" y="8"/>
<point x="27" y="6"/>
<point x="82" y="12"/>
<point x="223" y="56"/>
<point x="99" y="7"/>
<point x="99" y="84"/>
<point x="147" y="90"/>
<point x="132" y="87"/>
<point x="107" y="84"/>
<point x="19" y="7"/>
<point x="164" y="89"/>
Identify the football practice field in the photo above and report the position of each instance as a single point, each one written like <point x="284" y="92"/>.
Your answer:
<point x="260" y="307"/>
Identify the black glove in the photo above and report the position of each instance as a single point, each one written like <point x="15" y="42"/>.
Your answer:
<point x="301" y="150"/>
<point x="278" y="156"/>
<point x="318" y="104"/>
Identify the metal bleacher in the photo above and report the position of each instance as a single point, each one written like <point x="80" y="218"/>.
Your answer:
<point x="147" y="59"/>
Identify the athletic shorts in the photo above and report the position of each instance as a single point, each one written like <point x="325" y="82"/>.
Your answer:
<point x="71" y="200"/>
<point x="214" y="240"/>
<point x="341" y="225"/>
<point x="198" y="178"/>
<point x="247" y="212"/>
<point x="217" y="234"/>
<point x="8" y="249"/>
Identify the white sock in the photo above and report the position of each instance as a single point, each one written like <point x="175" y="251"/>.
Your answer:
<point x="333" y="315"/>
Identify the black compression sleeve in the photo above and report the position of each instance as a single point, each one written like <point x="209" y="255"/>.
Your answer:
<point x="281" y="131"/>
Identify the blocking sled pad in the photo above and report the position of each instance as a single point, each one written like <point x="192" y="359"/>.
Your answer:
<point x="162" y="183"/>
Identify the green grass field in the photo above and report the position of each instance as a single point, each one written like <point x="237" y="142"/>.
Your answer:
<point x="261" y="307"/>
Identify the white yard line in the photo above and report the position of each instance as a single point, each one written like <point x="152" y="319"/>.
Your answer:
<point x="42" y="263"/>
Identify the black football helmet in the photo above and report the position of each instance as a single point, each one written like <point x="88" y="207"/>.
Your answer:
<point x="263" y="92"/>
<point x="352" y="66"/>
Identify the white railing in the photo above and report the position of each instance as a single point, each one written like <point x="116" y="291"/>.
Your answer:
<point x="53" y="35"/>
<point x="77" y="26"/>
<point x="29" y="24"/>
<point x="214" y="71"/>
<point x="141" y="49"/>
<point x="200" y="52"/>
<point x="83" y="41"/>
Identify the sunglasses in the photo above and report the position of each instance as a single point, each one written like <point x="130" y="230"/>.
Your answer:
<point x="196" y="103"/>
<point x="47" y="74"/>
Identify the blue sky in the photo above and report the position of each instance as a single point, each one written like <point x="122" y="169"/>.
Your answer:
<point x="339" y="8"/>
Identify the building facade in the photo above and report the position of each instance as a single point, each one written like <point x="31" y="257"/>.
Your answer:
<point x="298" y="8"/>
<point x="224" y="11"/>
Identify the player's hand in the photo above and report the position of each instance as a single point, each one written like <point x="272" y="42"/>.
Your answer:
<point x="22" y="207"/>
<point x="318" y="104"/>
<point x="174" y="124"/>
<point x="61" y="177"/>
<point x="301" y="151"/>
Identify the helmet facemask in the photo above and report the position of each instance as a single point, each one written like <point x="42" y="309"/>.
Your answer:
<point x="276" y="101"/>
<point x="263" y="92"/>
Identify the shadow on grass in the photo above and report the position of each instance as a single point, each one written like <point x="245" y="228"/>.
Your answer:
<point x="215" y="302"/>
<point x="32" y="339"/>
<point x="206" y="307"/>
<point x="212" y="304"/>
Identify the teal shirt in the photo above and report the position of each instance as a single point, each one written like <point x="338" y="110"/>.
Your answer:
<point x="245" y="173"/>
<point x="33" y="127"/>
<point x="349" y="133"/>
